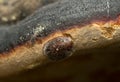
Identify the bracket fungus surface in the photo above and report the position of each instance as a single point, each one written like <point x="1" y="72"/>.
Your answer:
<point x="85" y="33"/>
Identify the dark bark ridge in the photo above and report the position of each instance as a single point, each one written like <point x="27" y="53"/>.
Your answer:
<point x="58" y="16"/>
